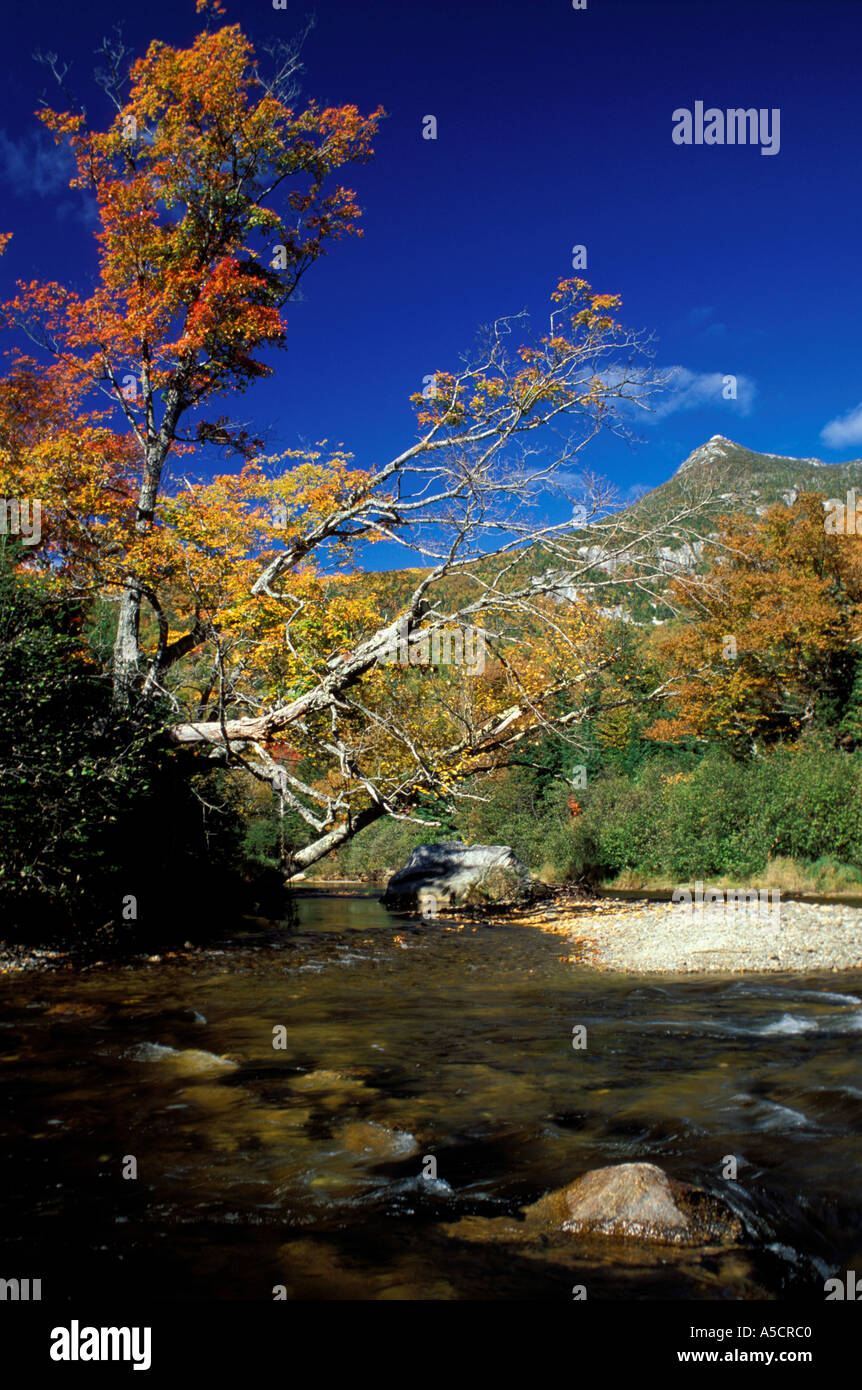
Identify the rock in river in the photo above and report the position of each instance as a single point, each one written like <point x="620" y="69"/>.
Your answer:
<point x="637" y="1200"/>
<point x="632" y="1201"/>
<point x="375" y="1142"/>
<point x="451" y="874"/>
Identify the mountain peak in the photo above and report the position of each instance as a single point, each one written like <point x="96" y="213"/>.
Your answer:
<point x="721" y="450"/>
<point x="716" y="449"/>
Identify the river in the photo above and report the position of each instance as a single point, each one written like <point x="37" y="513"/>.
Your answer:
<point x="427" y="1074"/>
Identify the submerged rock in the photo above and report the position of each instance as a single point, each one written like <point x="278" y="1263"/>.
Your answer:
<point x="68" y="1010"/>
<point x="330" y="1089"/>
<point x="626" y="1201"/>
<point x="450" y="874"/>
<point x="190" y="1061"/>
<point x="368" y="1139"/>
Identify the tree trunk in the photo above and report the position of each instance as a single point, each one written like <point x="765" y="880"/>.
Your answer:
<point x="126" y="649"/>
<point x="301" y="858"/>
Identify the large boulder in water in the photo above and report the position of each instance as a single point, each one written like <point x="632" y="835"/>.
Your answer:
<point x="451" y="874"/>
<point x="635" y="1202"/>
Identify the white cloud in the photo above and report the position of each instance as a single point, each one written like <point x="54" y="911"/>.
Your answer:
<point x="687" y="390"/>
<point x="34" y="164"/>
<point x="635" y="493"/>
<point x="571" y="481"/>
<point x="682" y="390"/>
<point x="35" y="167"/>
<point x="844" y="429"/>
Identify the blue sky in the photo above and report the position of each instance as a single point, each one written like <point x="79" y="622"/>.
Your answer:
<point x="554" y="129"/>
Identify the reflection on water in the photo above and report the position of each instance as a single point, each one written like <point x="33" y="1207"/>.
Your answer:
<point x="310" y="1165"/>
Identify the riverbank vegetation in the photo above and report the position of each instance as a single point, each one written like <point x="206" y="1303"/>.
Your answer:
<point x="109" y="835"/>
<point x="790" y="819"/>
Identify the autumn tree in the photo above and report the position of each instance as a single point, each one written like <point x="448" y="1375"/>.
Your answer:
<point x="306" y="662"/>
<point x="214" y="197"/>
<point x="770" y="632"/>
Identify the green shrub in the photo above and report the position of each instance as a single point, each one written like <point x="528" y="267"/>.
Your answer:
<point x="722" y="818"/>
<point x="96" y="808"/>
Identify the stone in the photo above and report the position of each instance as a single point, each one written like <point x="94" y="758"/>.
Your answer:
<point x="625" y="1201"/>
<point x="637" y="1200"/>
<point x="450" y="874"/>
<point x="375" y="1142"/>
<point x="189" y="1061"/>
<point x="330" y="1089"/>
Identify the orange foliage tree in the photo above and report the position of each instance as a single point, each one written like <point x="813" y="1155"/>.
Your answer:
<point x="213" y="200"/>
<point x="770" y="628"/>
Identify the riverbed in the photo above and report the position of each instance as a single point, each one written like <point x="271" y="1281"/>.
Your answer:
<point x="311" y="1108"/>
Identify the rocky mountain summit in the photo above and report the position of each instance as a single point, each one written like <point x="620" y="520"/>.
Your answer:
<point x="720" y="450"/>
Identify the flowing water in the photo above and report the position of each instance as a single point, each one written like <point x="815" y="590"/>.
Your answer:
<point x="428" y="1074"/>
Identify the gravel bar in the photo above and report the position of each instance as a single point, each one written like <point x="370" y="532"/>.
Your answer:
<point x="647" y="938"/>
